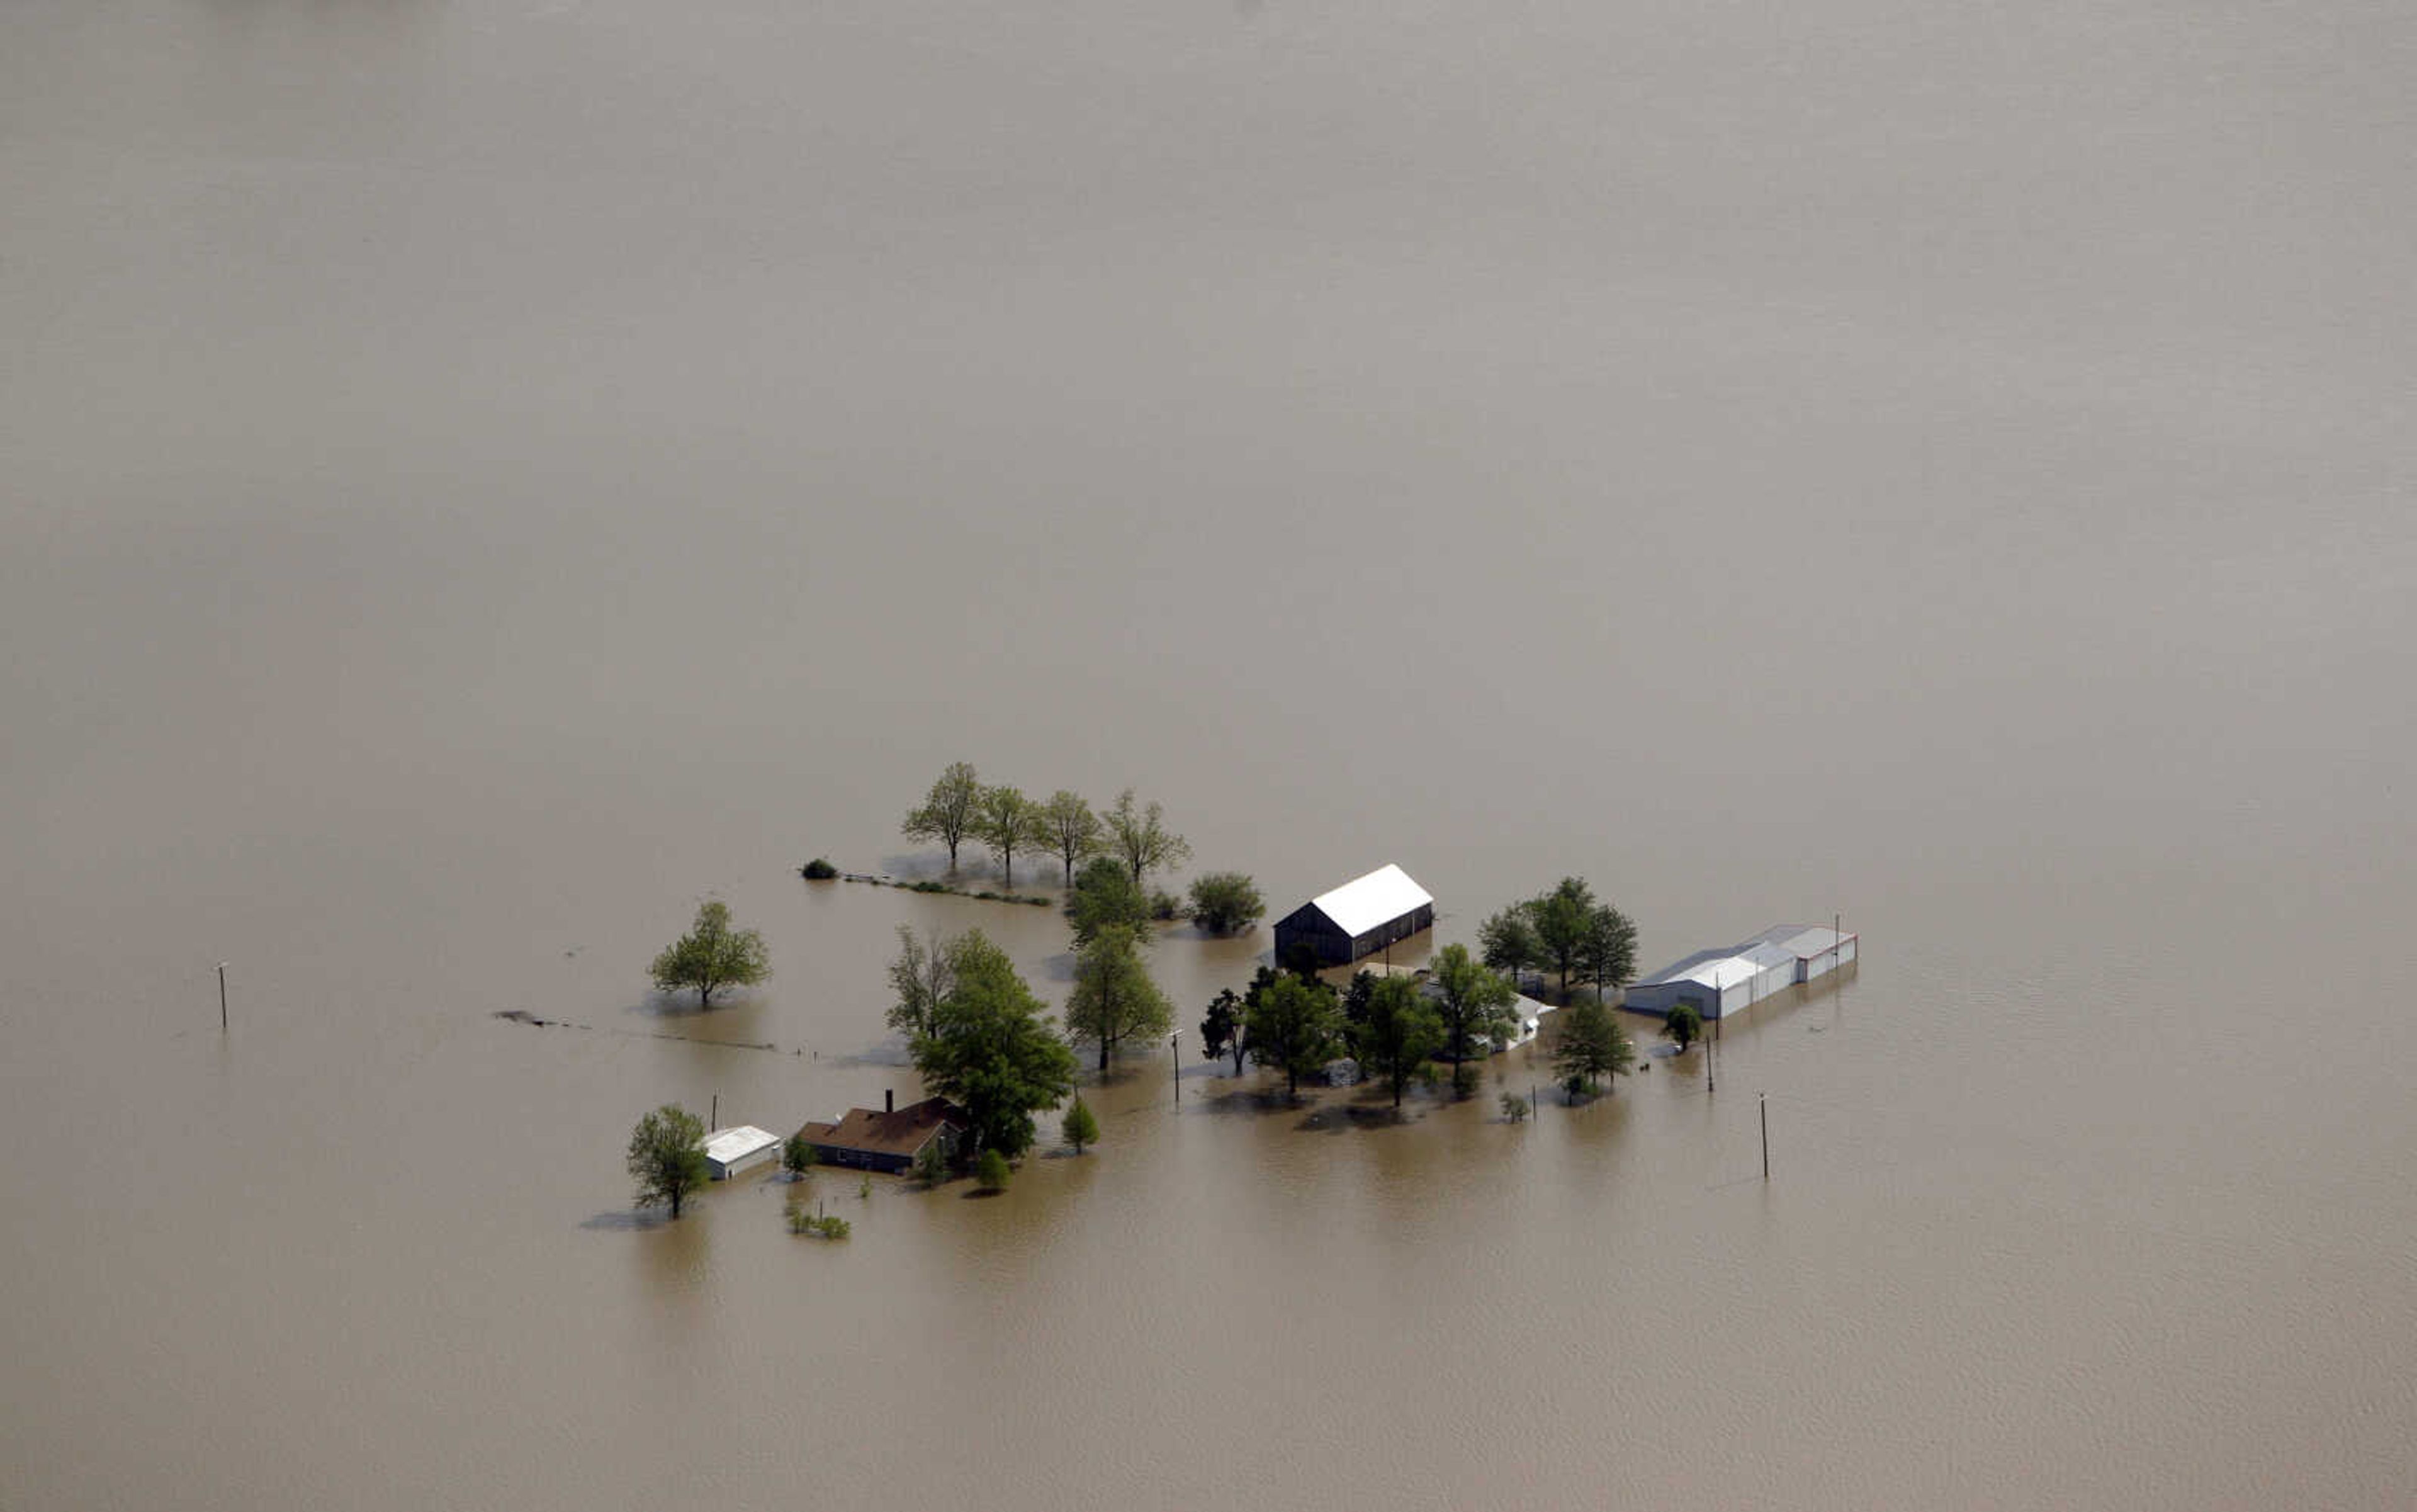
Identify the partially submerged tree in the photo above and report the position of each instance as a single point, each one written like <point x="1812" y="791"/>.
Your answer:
<point x="947" y="812"/>
<point x="1356" y="995"/>
<point x="1566" y="930"/>
<point x="1593" y="1049"/>
<point x="1506" y="943"/>
<point x="992" y="1172"/>
<point x="1069" y="825"/>
<point x="1224" y="903"/>
<point x="1081" y="1126"/>
<point x="1221" y="1033"/>
<point x="927" y="970"/>
<point x="1114" y="999"/>
<point x="1474" y="1003"/>
<point x="1562" y="918"/>
<point x="931" y="1163"/>
<point x="1607" y="952"/>
<point x="1007" y="822"/>
<point x="1401" y="1032"/>
<point x="797" y="1156"/>
<point x="994" y="1052"/>
<point x="1139" y="837"/>
<point x="1683" y="1025"/>
<point x="1106" y="896"/>
<point x="1294" y="1026"/>
<point x="667" y="1156"/>
<point x="711" y="957"/>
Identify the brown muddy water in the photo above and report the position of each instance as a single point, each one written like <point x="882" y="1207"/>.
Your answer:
<point x="476" y="479"/>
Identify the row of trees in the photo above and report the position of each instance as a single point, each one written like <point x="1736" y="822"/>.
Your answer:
<point x="1295" y="1022"/>
<point x="1567" y="930"/>
<point x="1007" y="822"/>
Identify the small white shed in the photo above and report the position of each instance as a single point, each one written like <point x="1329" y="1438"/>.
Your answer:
<point x="728" y="1152"/>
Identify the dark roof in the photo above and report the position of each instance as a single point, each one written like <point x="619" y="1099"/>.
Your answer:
<point x="901" y="1133"/>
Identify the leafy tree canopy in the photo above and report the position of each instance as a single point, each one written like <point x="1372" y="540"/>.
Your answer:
<point x="1069" y="826"/>
<point x="1592" y="1050"/>
<point x="667" y="1156"/>
<point x="993" y="1051"/>
<point x="1082" y="1125"/>
<point x="1114" y="999"/>
<point x="1474" y="1003"/>
<point x="1007" y="822"/>
<point x="1684" y="1025"/>
<point x="1293" y="1025"/>
<point x="1221" y="1032"/>
<point x="1138" y="836"/>
<point x="1226" y="903"/>
<point x="947" y="812"/>
<point x="992" y="1172"/>
<point x="1401" y="1033"/>
<point x="712" y="955"/>
<point x="1105" y="896"/>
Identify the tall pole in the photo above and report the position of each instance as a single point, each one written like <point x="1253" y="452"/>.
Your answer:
<point x="1174" y="1056"/>
<point x="716" y="1124"/>
<point x="1762" y="1102"/>
<point x="222" y="1018"/>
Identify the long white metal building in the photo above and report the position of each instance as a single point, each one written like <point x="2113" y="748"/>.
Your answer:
<point x="1720" y="981"/>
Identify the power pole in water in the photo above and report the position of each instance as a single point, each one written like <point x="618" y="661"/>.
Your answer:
<point x="222" y="1018"/>
<point x="1762" y="1102"/>
<point x="714" y="1124"/>
<point x="1175" y="1054"/>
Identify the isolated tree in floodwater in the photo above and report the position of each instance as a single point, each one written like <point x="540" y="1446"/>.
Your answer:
<point x="667" y="1156"/>
<point x="711" y="957"/>
<point x="1114" y="999"/>
<point x="1401" y="1033"/>
<point x="1007" y="822"/>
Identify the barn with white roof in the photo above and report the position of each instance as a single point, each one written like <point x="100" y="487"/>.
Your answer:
<point x="1360" y="918"/>
<point x="1726" y="980"/>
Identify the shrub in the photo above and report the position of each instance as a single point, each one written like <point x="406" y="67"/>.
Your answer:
<point x="929" y="887"/>
<point x="1082" y="1125"/>
<point x="931" y="1163"/>
<point x="992" y="1172"/>
<point x="1225" y="902"/>
<point x="818" y="870"/>
<point x="797" y="1154"/>
<point x="1165" y="905"/>
<point x="1514" y="1108"/>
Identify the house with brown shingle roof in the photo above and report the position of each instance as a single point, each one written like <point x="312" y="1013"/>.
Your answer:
<point x="889" y="1140"/>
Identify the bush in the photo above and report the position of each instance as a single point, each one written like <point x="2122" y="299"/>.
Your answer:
<point x="929" y="887"/>
<point x="1038" y="903"/>
<point x="1684" y="1025"/>
<point x="1082" y="1125"/>
<point x="802" y="1222"/>
<point x="1165" y="905"/>
<point x="992" y="1172"/>
<point x="1514" y="1108"/>
<point x="1225" y="902"/>
<point x="797" y="1154"/>
<point x="818" y="870"/>
<point x="931" y="1163"/>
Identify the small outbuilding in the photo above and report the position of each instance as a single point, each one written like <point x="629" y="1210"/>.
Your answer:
<point x="728" y="1152"/>
<point x="1721" y="981"/>
<point x="1360" y="918"/>
<point x="889" y="1140"/>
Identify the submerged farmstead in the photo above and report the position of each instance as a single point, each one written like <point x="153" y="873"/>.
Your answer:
<point x="1725" y="981"/>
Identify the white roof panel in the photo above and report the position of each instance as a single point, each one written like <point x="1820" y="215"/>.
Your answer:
<point x="737" y="1144"/>
<point x="1363" y="904"/>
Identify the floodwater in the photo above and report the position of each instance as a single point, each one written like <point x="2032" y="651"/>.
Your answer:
<point x="476" y="479"/>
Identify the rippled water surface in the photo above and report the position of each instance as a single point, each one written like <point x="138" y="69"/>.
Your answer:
<point x="476" y="479"/>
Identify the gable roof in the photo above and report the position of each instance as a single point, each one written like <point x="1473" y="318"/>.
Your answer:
<point x="901" y="1133"/>
<point x="1365" y="902"/>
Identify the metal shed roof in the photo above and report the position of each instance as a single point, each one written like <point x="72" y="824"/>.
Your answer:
<point x="738" y="1143"/>
<point x="1363" y="904"/>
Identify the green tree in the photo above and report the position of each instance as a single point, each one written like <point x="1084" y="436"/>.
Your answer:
<point x="947" y="813"/>
<point x="1226" y="903"/>
<point x="1007" y="822"/>
<point x="1140" y="837"/>
<point x="1507" y="941"/>
<point x="991" y="1172"/>
<point x="1114" y="999"/>
<point x="1561" y="919"/>
<point x="1594" y="1048"/>
<point x="1068" y="824"/>
<point x="711" y="957"/>
<point x="1221" y="1033"/>
<point x="1357" y="997"/>
<point x="1607" y="951"/>
<point x="1293" y="1025"/>
<point x="1403" y="1030"/>
<point x="667" y="1156"/>
<point x="928" y="970"/>
<point x="931" y="1163"/>
<point x="797" y="1156"/>
<point x="994" y="1052"/>
<point x="1474" y="1003"/>
<point x="1683" y="1025"/>
<point x="1082" y="1125"/>
<point x="1105" y="896"/>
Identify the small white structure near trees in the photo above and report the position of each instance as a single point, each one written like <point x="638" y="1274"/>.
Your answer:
<point x="728" y="1152"/>
<point x="1722" y="982"/>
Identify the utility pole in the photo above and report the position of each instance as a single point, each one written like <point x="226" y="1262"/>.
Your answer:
<point x="1762" y="1101"/>
<point x="222" y="1018"/>
<point x="716" y="1124"/>
<point x="1175" y="1055"/>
